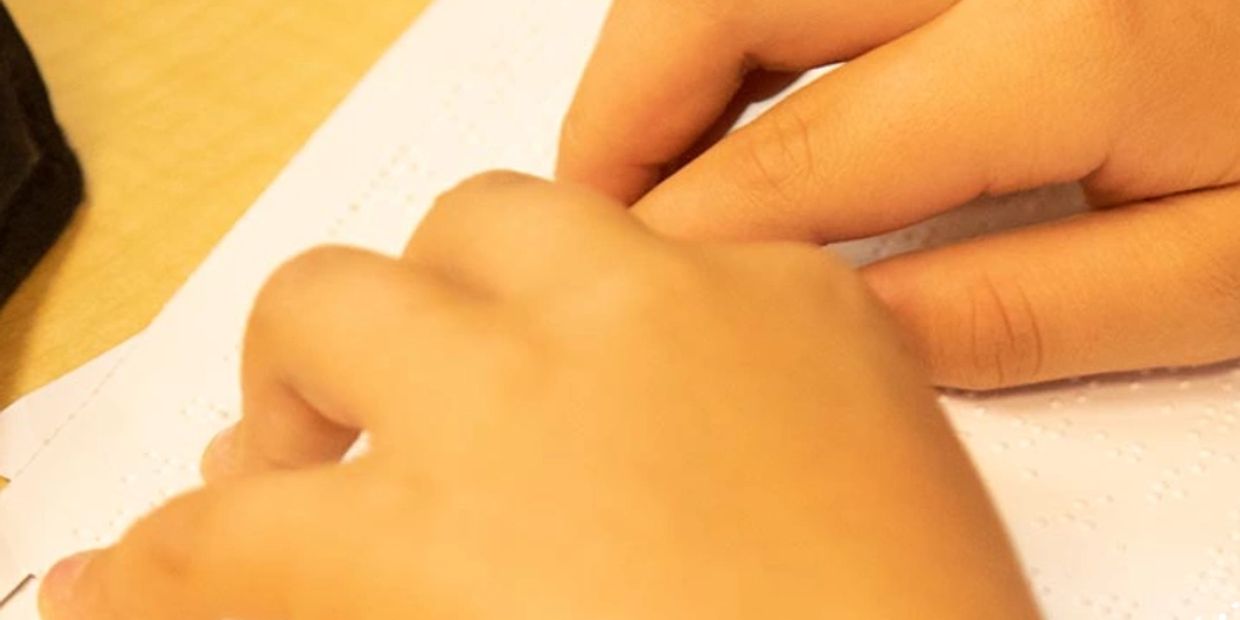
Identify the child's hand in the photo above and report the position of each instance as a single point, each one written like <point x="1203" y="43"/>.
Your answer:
<point x="571" y="418"/>
<point x="1139" y="99"/>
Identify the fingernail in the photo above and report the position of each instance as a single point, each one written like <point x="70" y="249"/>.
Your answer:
<point x="56" y="596"/>
<point x="220" y="458"/>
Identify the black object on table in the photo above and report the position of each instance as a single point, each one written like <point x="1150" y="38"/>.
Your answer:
<point x="40" y="180"/>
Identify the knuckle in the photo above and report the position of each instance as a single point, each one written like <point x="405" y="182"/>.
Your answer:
<point x="647" y="285"/>
<point x="1203" y="242"/>
<point x="778" y="158"/>
<point x="661" y="276"/>
<point x="506" y="348"/>
<point x="278" y="295"/>
<point x="1003" y="343"/>
<point x="489" y="180"/>
<point x="469" y="194"/>
<point x="488" y="201"/>
<point x="1218" y="282"/>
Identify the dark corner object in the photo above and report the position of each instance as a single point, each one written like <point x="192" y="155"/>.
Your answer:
<point x="40" y="179"/>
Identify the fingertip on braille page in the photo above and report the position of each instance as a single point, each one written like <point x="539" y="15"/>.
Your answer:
<point x="57" y="594"/>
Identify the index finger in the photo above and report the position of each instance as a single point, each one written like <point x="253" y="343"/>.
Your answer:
<point x="332" y="334"/>
<point x="660" y="74"/>
<point x="665" y="71"/>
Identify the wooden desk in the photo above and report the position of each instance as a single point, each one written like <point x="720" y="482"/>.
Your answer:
<point x="182" y="112"/>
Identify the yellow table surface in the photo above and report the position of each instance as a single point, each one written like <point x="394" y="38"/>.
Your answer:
<point x="182" y="111"/>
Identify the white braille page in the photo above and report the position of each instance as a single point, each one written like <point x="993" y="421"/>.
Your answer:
<point x="1122" y="494"/>
<point x="28" y="425"/>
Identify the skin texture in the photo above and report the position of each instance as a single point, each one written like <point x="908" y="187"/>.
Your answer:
<point x="571" y="417"/>
<point x="943" y="102"/>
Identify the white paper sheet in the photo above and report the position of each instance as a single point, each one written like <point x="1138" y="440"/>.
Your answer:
<point x="1121" y="493"/>
<point x="29" y="424"/>
<point x="26" y="428"/>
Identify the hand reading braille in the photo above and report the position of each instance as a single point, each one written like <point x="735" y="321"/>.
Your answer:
<point x="944" y="101"/>
<point x="570" y="417"/>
